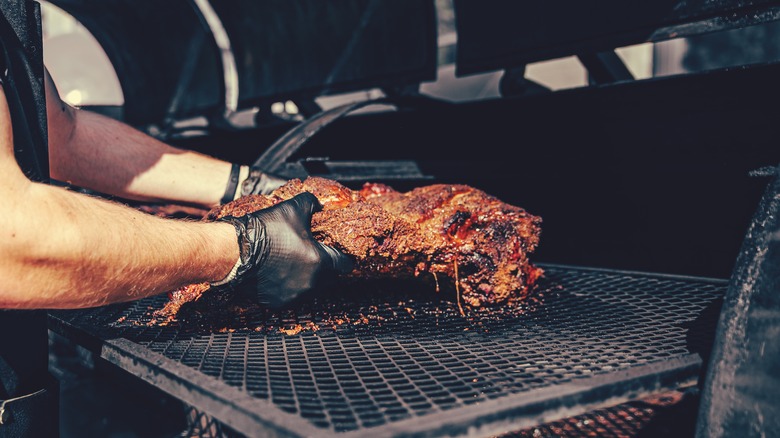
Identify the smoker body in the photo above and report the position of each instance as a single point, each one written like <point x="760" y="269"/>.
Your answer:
<point x="654" y="214"/>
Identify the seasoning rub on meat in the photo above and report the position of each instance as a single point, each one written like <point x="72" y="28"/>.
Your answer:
<point x="454" y="235"/>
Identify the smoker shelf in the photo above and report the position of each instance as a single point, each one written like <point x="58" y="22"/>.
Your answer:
<point x="406" y="362"/>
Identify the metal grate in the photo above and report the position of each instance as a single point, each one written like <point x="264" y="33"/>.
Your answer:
<point x="400" y="360"/>
<point x="669" y="414"/>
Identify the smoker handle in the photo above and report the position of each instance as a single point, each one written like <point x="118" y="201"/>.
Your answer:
<point x="274" y="158"/>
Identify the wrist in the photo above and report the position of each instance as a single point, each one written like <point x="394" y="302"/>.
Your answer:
<point x="231" y="275"/>
<point x="230" y="256"/>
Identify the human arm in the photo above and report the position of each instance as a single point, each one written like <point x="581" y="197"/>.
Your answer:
<point x="96" y="152"/>
<point x="60" y="249"/>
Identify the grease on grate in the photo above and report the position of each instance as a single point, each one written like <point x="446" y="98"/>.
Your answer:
<point x="349" y="307"/>
<point x="668" y="414"/>
<point x="415" y="355"/>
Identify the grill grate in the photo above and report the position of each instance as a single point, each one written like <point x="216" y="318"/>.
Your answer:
<point x="401" y="357"/>
<point x="670" y="414"/>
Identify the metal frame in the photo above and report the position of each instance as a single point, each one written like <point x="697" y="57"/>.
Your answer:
<point x="605" y="67"/>
<point x="740" y="390"/>
<point x="227" y="60"/>
<point x="257" y="417"/>
<point x="597" y="53"/>
<point x="275" y="159"/>
<point x="487" y="419"/>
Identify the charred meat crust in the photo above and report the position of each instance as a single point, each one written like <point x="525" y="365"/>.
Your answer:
<point x="456" y="234"/>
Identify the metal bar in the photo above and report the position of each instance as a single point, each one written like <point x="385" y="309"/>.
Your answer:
<point x="514" y="83"/>
<point x="277" y="154"/>
<point x="367" y="170"/>
<point x="595" y="338"/>
<point x="207" y="395"/>
<point x="740" y="390"/>
<point x="696" y="26"/>
<point x="734" y="20"/>
<point x="274" y="158"/>
<point x="605" y="67"/>
<point x="497" y="417"/>
<point x="597" y="269"/>
<point x="227" y="58"/>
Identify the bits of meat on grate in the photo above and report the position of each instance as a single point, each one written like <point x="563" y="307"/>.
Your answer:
<point x="453" y="236"/>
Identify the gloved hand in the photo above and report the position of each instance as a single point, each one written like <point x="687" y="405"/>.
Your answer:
<point x="261" y="183"/>
<point x="279" y="258"/>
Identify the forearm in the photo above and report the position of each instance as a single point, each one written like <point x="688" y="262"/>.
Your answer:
<point x="71" y="250"/>
<point x="102" y="154"/>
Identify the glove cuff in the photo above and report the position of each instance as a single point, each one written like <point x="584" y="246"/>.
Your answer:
<point x="252" y="247"/>
<point x="243" y="174"/>
<point x="230" y="276"/>
<point x="259" y="183"/>
<point x="232" y="183"/>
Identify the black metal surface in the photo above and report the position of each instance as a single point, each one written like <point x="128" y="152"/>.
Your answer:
<point x="164" y="55"/>
<point x="670" y="415"/>
<point x="317" y="47"/>
<point x="21" y="71"/>
<point x="275" y="159"/>
<point x="605" y="67"/>
<point x="408" y="363"/>
<point x="23" y="356"/>
<point x="497" y="34"/>
<point x="739" y="397"/>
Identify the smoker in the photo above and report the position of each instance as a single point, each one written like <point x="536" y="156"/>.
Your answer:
<point x="659" y="201"/>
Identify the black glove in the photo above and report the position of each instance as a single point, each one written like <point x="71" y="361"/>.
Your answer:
<point x="261" y="183"/>
<point x="280" y="259"/>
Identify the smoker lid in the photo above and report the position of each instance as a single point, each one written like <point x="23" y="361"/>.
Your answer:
<point x="165" y="54"/>
<point x="312" y="47"/>
<point x="504" y="33"/>
<point x="155" y="46"/>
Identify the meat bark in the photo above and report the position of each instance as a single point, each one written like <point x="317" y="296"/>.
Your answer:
<point x="455" y="235"/>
